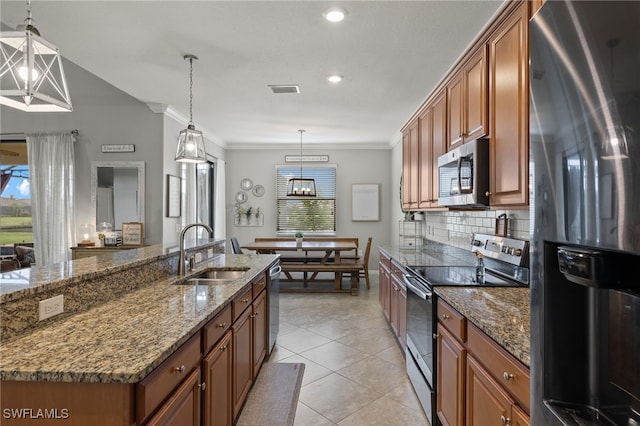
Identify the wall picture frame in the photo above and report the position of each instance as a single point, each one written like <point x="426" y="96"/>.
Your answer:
<point x="174" y="201"/>
<point x="365" y="202"/>
<point x="133" y="234"/>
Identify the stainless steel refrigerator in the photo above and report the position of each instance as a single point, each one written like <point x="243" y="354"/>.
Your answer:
<point x="585" y="177"/>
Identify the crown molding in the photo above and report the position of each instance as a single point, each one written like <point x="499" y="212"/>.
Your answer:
<point x="168" y="111"/>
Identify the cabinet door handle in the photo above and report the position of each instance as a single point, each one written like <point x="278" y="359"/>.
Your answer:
<point x="436" y="336"/>
<point x="505" y="420"/>
<point x="245" y="300"/>
<point x="202" y="386"/>
<point x="180" y="369"/>
<point x="487" y="193"/>
<point x="445" y="316"/>
<point x="222" y="325"/>
<point x="507" y="376"/>
<point x="223" y="348"/>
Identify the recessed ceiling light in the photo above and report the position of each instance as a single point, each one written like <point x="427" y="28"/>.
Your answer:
<point x="335" y="78"/>
<point x="334" y="14"/>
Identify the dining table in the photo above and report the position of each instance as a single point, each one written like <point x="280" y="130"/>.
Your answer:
<point x="331" y="260"/>
<point x="328" y="247"/>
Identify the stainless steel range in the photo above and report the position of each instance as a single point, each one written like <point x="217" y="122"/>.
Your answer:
<point x="505" y="264"/>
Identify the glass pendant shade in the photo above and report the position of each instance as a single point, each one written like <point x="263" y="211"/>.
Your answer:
<point x="191" y="142"/>
<point x="31" y="74"/>
<point x="191" y="146"/>
<point x="301" y="187"/>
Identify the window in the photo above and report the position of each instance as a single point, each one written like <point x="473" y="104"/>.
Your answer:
<point x="205" y="189"/>
<point x="310" y="215"/>
<point x="15" y="196"/>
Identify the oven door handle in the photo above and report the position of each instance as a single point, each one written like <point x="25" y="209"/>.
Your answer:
<point x="425" y="295"/>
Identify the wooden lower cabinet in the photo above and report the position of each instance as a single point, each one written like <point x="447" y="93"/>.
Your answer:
<point x="383" y="289"/>
<point x="478" y="382"/>
<point x="519" y="417"/>
<point x="451" y="379"/>
<point x="259" y="326"/>
<point x="217" y="374"/>
<point x="393" y="298"/>
<point x="487" y="403"/>
<point x="242" y="360"/>
<point x="183" y="407"/>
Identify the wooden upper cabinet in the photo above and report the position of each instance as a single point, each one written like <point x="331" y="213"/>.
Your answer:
<point x="426" y="156"/>
<point x="509" y="111"/>
<point x="410" y="167"/>
<point x="406" y="169"/>
<point x="456" y="111"/>
<point x="475" y="92"/>
<point x="467" y="100"/>
<point x="535" y="5"/>
<point x="439" y="139"/>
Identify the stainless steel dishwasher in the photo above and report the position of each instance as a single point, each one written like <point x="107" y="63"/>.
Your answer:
<point x="274" y="304"/>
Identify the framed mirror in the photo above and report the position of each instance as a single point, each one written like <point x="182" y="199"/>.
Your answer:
<point x="117" y="192"/>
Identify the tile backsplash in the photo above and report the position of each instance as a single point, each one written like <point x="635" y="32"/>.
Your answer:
<point x="456" y="227"/>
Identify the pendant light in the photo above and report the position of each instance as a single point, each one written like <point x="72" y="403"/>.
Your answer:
<point x="191" y="143"/>
<point x="300" y="187"/>
<point x="31" y="75"/>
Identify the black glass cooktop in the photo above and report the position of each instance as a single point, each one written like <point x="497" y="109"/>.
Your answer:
<point x="466" y="276"/>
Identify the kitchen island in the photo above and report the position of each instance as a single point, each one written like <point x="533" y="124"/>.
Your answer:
<point x="105" y="355"/>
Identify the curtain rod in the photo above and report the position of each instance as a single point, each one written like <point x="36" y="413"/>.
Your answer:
<point x="23" y="136"/>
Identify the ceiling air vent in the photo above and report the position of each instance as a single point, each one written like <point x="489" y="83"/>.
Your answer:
<point x="284" y="88"/>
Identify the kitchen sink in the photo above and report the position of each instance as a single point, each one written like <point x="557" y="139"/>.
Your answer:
<point x="216" y="276"/>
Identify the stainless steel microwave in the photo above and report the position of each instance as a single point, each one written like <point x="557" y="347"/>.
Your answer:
<point x="463" y="175"/>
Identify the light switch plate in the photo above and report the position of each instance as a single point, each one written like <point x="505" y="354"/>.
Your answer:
<point x="209" y="253"/>
<point x="50" y="307"/>
<point x="198" y="257"/>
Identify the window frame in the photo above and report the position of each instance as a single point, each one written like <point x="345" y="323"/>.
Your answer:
<point x="324" y="174"/>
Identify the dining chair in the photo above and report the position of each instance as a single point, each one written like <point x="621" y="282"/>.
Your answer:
<point x="235" y="246"/>
<point x="364" y="273"/>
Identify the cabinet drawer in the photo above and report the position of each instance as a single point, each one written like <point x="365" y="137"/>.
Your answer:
<point x="215" y="328"/>
<point x="259" y="285"/>
<point x="508" y="371"/>
<point x="158" y="385"/>
<point x="241" y="302"/>
<point x="452" y="320"/>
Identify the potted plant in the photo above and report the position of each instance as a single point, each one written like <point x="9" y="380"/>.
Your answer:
<point x="298" y="238"/>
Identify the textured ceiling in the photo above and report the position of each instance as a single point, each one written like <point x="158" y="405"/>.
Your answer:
<point x="391" y="53"/>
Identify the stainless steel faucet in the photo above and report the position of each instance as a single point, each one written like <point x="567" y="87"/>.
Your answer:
<point x="181" y="261"/>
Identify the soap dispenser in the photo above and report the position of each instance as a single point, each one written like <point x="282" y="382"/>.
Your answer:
<point x="479" y="268"/>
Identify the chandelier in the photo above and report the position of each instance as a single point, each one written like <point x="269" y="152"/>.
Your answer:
<point x="300" y="187"/>
<point x="31" y="74"/>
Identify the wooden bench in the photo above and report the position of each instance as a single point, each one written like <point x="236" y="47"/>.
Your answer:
<point x="337" y="269"/>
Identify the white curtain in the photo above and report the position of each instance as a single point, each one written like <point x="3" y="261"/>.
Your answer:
<point x="51" y="175"/>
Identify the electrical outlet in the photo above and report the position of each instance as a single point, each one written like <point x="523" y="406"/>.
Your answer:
<point x="209" y="253"/>
<point x="198" y="257"/>
<point x="50" y="307"/>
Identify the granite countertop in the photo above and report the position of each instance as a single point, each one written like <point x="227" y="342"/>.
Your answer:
<point x="501" y="312"/>
<point x="123" y="340"/>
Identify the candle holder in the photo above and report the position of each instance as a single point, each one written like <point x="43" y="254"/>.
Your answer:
<point x="86" y="231"/>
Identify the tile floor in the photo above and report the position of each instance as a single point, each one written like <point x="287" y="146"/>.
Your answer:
<point x="354" y="369"/>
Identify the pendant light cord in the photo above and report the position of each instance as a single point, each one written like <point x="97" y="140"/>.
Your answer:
<point x="301" y="132"/>
<point x="191" y="90"/>
<point x="28" y="21"/>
